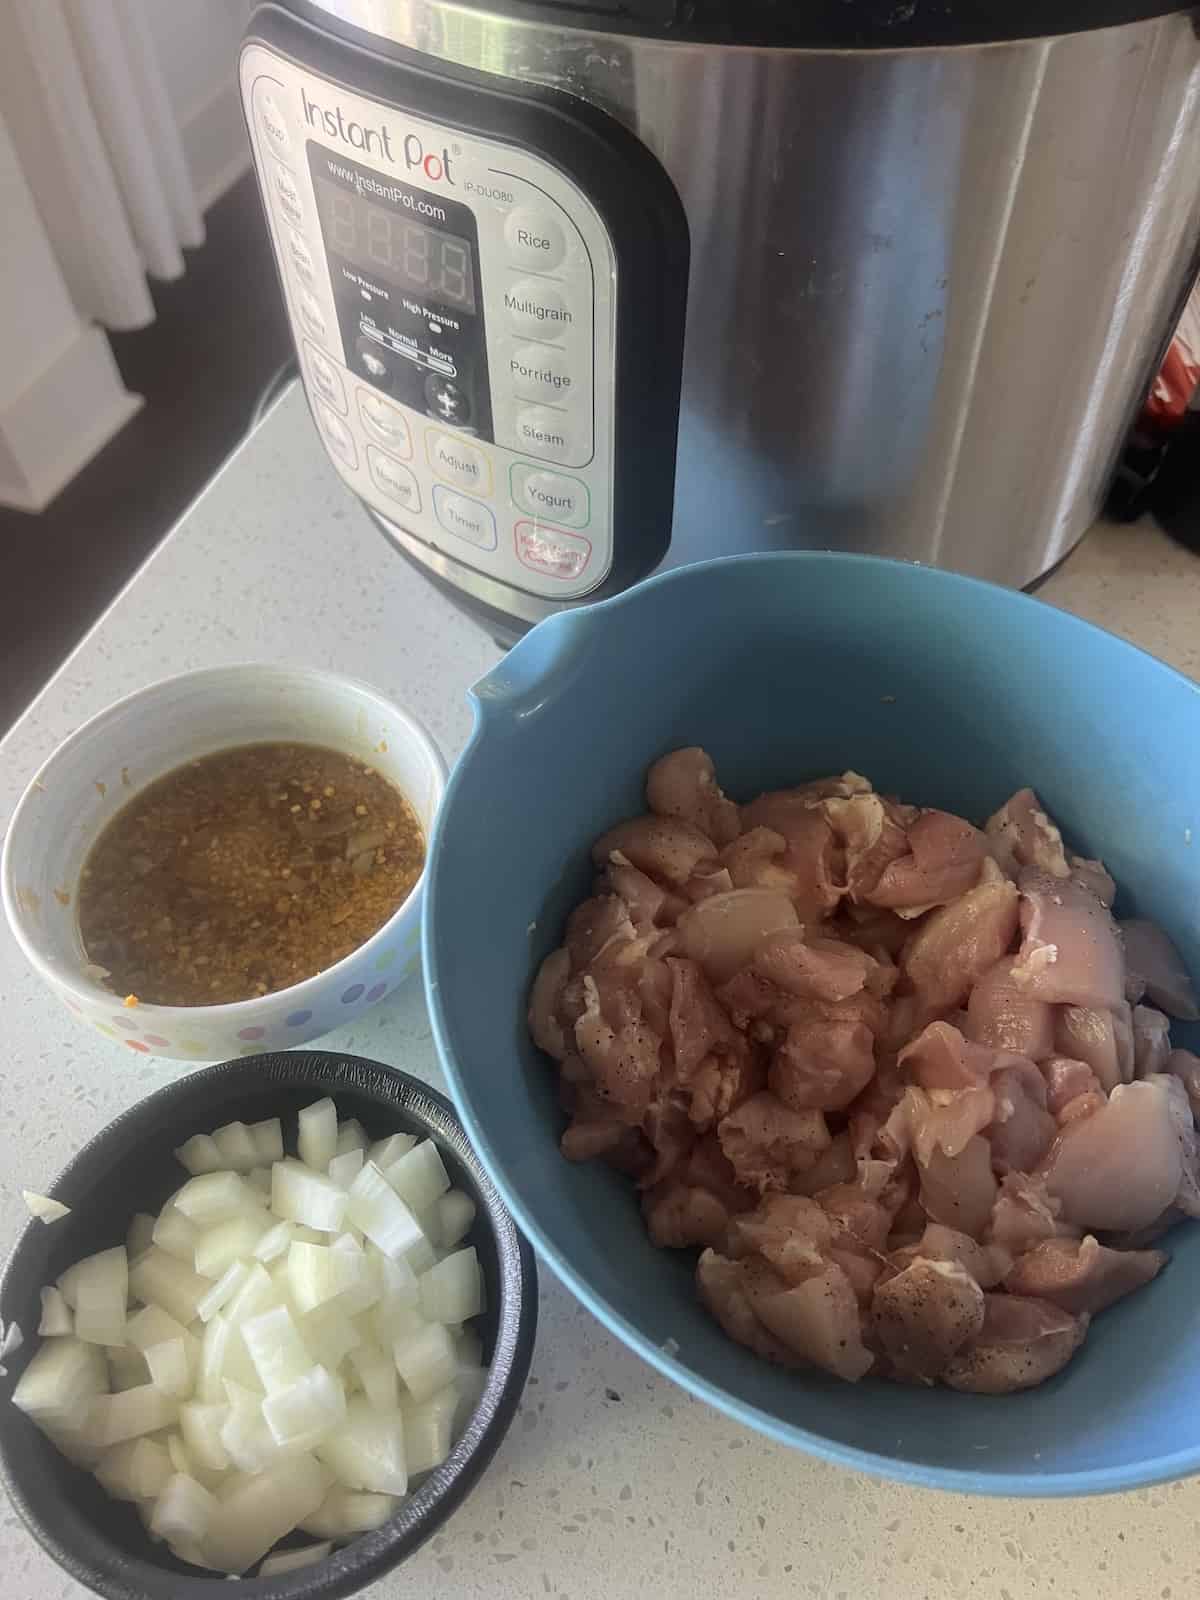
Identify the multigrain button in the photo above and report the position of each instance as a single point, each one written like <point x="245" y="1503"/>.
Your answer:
<point x="539" y="372"/>
<point x="302" y="257"/>
<point x="534" y="239"/>
<point x="288" y="191"/>
<point x="543" y="432"/>
<point x="464" y="518"/>
<point x="337" y="434"/>
<point x="537" y="310"/>
<point x="550" y="551"/>
<point x="385" y="422"/>
<point x="458" y="462"/>
<point x="393" y="478"/>
<point x="552" y="496"/>
<point x="325" y="378"/>
<point x="273" y="124"/>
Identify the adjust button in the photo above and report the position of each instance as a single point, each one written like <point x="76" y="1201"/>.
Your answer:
<point x="550" y="551"/>
<point x="552" y="495"/>
<point x="539" y="372"/>
<point x="393" y="478"/>
<point x="464" y="518"/>
<point x="458" y="462"/>
<point x="534" y="239"/>
<point x="537" y="309"/>
<point x="542" y="432"/>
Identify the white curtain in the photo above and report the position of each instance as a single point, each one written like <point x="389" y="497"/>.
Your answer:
<point x="83" y="96"/>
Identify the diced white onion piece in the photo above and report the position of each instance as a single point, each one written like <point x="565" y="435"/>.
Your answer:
<point x="199" y="1154"/>
<point x="115" y="1417"/>
<point x="56" y="1314"/>
<point x="43" y="1207"/>
<point x="214" y="1359"/>
<point x="275" y="1242"/>
<point x="456" y="1212"/>
<point x="127" y="1369"/>
<point x="311" y="1235"/>
<point x="183" y="1511"/>
<point x="384" y="1218"/>
<point x="304" y="1413"/>
<point x="428" y="1431"/>
<point x="377" y="1374"/>
<point x="450" y="1291"/>
<point x="98" y="1289"/>
<point x="317" y="1273"/>
<point x="420" y="1176"/>
<point x="215" y="1197"/>
<point x="329" y="1334"/>
<point x="292" y="1560"/>
<point x="181" y="1461"/>
<point x="351" y="1136"/>
<point x="344" y="1513"/>
<point x="425" y="1361"/>
<point x="385" y="1152"/>
<point x="259" y="1179"/>
<point x="245" y="1436"/>
<point x="256" y="1295"/>
<point x="170" y="1369"/>
<point x="219" y="1247"/>
<point x="177" y="1234"/>
<point x="192" y="1554"/>
<point x="112" y="1470"/>
<point x="141" y="1234"/>
<point x="201" y="1425"/>
<point x="238" y="1147"/>
<point x="273" y="1344"/>
<point x="151" y="1325"/>
<point x="400" y="1323"/>
<point x="60" y="1383"/>
<point x="157" y="1279"/>
<point x="345" y="1168"/>
<point x="366" y="1451"/>
<point x="226" y="1286"/>
<point x="262" y="1511"/>
<point x="318" y="1136"/>
<point x="136" y="1470"/>
<point x="268" y="1140"/>
<point x="310" y="1198"/>
<point x="350" y="1240"/>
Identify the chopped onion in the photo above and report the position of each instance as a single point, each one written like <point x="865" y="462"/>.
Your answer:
<point x="301" y="1195"/>
<point x="420" y="1176"/>
<point x="97" y="1288"/>
<point x="384" y="1218"/>
<point x="377" y="1375"/>
<point x="226" y="1286"/>
<point x="151" y="1325"/>
<point x="425" y="1360"/>
<point x="452" y="1290"/>
<point x="317" y="1273"/>
<point x="366" y="1451"/>
<point x="244" y="1433"/>
<point x="275" y="1242"/>
<point x="58" y="1387"/>
<point x="279" y="1354"/>
<point x="301" y="1415"/>
<point x="183" y="1510"/>
<point x="268" y="1140"/>
<point x="343" y="1513"/>
<point x="318" y="1135"/>
<point x="140" y="1236"/>
<point x="215" y="1197"/>
<point x="293" y="1560"/>
<point x="386" y="1152"/>
<point x="238" y="1147"/>
<point x="257" y="1294"/>
<point x="56" y="1314"/>
<point x="41" y="1206"/>
<point x="201" y="1426"/>
<point x="329" y="1334"/>
<point x="115" y="1417"/>
<point x="127" y="1369"/>
<point x="428" y="1431"/>
<point x="200" y="1154"/>
<point x="156" y="1278"/>
<point x="259" y="1179"/>
<point x="455" y="1212"/>
<point x="176" y="1234"/>
<point x="345" y="1168"/>
<point x="351" y="1137"/>
<point x="218" y="1248"/>
<point x="170" y="1369"/>
<point x="260" y="1512"/>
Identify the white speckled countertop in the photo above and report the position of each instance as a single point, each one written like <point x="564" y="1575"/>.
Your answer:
<point x="612" y="1482"/>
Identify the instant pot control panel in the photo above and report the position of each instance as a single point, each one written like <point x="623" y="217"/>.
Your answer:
<point x="469" y="321"/>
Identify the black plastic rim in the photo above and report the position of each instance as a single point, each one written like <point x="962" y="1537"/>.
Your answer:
<point x="130" y="1167"/>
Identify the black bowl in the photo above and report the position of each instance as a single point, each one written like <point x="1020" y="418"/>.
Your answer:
<point x="130" y="1167"/>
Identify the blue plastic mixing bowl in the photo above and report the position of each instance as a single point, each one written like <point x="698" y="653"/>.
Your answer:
<point x="944" y="690"/>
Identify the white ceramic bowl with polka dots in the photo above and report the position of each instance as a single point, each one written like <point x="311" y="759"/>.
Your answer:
<point x="121" y="750"/>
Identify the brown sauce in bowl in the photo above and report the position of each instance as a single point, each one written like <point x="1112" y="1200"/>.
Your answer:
<point x="245" y="872"/>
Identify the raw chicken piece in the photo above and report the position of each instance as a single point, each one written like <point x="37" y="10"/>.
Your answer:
<point x="985" y="1263"/>
<point x="722" y="933"/>
<point x="646" y="900"/>
<point x="1121" y="1167"/>
<point x="1151" y="955"/>
<point x="1025" y="1213"/>
<point x="703" y="885"/>
<point x="665" y="849"/>
<point x="946" y="855"/>
<point x="959" y="1190"/>
<point x="684" y="785"/>
<point x="833" y="1166"/>
<point x="924" y="1314"/>
<point x="805" y="869"/>
<point x="1022" y="1129"/>
<point x="818" y="1320"/>
<point x="958" y="944"/>
<point x="767" y="1144"/>
<point x="1104" y="1039"/>
<point x="1095" y="878"/>
<point x="1020" y="835"/>
<point x="822" y="1064"/>
<point x="668" y="1128"/>
<point x="815" y="969"/>
<point x="1187" y="1196"/>
<point x="752" y="860"/>
<point x="871" y="835"/>
<point x="874" y="930"/>
<point x="790" y="1232"/>
<point x="1082" y="1275"/>
<point x="544" y="1025"/>
<point x="859" y="1213"/>
<point x="698" y="1024"/>
<point x="622" y="1051"/>
<point x="1069" y="953"/>
<point x="1185" y="1066"/>
<point x="1021" y="1344"/>
<point x="595" y="924"/>
<point x="941" y="1058"/>
<point x="1068" y="1081"/>
<point x="1000" y="1013"/>
<point x="679" y="1215"/>
<point x="721" y="1285"/>
<point x="940" y="1119"/>
<point x="1151" y="1041"/>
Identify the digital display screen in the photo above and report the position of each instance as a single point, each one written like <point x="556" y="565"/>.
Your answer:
<point x="423" y="260"/>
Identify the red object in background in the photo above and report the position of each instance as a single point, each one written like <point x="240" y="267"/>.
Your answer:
<point x="1179" y="376"/>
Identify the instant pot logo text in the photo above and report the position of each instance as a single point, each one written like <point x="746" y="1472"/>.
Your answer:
<point x="335" y="124"/>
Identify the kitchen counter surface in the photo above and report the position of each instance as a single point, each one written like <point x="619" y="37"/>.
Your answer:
<point x="612" y="1481"/>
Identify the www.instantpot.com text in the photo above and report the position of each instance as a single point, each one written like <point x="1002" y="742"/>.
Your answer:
<point x="364" y="183"/>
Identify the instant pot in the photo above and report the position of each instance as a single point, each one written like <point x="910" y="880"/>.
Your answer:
<point x="582" y="290"/>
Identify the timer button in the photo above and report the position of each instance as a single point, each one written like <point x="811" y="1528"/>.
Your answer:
<point x="543" y="432"/>
<point x="464" y="518"/>
<point x="534" y="239"/>
<point x="385" y="422"/>
<point x="552" y="495"/>
<point x="394" y="479"/>
<point x="326" y="379"/>
<point x="458" y="462"/>
<point x="287" y="191"/>
<point x="537" y="310"/>
<point x="273" y="124"/>
<point x="337" y="434"/>
<point x="538" y="372"/>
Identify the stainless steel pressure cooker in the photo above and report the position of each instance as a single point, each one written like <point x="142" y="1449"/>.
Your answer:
<point x="583" y="290"/>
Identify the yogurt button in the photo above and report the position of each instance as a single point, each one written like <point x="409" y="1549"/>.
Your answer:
<point x="551" y="496"/>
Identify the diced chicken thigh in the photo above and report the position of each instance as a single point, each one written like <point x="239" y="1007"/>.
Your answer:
<point x="1021" y="1344"/>
<point x="1154" y="959"/>
<point x="684" y="785"/>
<point x="1082" y="1275"/>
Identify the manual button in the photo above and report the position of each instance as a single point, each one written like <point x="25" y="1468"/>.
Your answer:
<point x="543" y="432"/>
<point x="458" y="462"/>
<point x="550" y="496"/>
<point x="465" y="519"/>
<point x="393" y="478"/>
